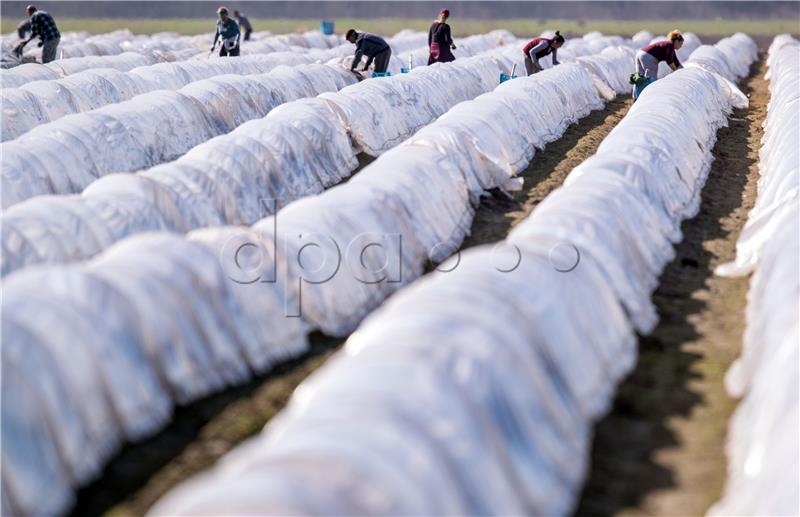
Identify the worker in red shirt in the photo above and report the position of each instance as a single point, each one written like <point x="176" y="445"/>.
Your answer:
<point x="648" y="58"/>
<point x="539" y="48"/>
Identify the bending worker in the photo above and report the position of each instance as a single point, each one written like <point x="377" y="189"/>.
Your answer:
<point x="44" y="26"/>
<point x="244" y="23"/>
<point x="439" y="40"/>
<point x="540" y="47"/>
<point x="372" y="46"/>
<point x="648" y="58"/>
<point x="228" y="31"/>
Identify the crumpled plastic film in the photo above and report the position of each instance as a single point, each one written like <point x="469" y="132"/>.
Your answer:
<point x="762" y="444"/>
<point x="148" y="129"/>
<point x="472" y="365"/>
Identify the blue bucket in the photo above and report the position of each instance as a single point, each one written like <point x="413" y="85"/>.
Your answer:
<point x="639" y="88"/>
<point x="404" y="70"/>
<point x="506" y="77"/>
<point x="326" y="27"/>
<point x="381" y="74"/>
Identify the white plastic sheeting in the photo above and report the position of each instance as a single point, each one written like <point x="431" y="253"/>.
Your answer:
<point x="729" y="58"/>
<point x="764" y="432"/>
<point x="297" y="151"/>
<point x="472" y="384"/>
<point x="40" y="102"/>
<point x="199" y="313"/>
<point x="29" y="72"/>
<point x="121" y="361"/>
<point x="66" y="155"/>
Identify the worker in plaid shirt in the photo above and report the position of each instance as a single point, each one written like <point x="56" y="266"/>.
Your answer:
<point x="44" y="26"/>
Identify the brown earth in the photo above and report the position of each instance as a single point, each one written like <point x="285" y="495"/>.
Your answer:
<point x="661" y="449"/>
<point x="546" y="172"/>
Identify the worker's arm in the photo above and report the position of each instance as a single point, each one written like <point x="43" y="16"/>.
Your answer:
<point x="430" y="36"/>
<point x="675" y="64"/>
<point x="216" y="37"/>
<point x="448" y="38"/>
<point x="357" y="58"/>
<point x="369" y="62"/>
<point x="555" y="59"/>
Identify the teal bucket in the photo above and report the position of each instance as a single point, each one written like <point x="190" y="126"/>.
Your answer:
<point x="326" y="27"/>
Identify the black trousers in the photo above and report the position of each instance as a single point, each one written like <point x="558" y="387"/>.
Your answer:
<point x="381" y="61"/>
<point x="225" y="52"/>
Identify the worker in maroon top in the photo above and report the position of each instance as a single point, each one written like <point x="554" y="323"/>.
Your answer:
<point x="439" y="40"/>
<point x="540" y="47"/>
<point x="648" y="58"/>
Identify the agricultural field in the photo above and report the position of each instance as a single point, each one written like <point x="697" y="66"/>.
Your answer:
<point x="270" y="284"/>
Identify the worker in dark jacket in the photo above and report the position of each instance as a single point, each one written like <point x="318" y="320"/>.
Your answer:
<point x="244" y="24"/>
<point x="439" y="40"/>
<point x="372" y="46"/>
<point x="44" y="26"/>
<point x="538" y="48"/>
<point x="228" y="31"/>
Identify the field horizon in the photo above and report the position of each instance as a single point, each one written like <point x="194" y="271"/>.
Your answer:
<point x="388" y="26"/>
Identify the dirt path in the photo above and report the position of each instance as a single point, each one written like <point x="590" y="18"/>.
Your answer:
<point x="547" y="171"/>
<point x="661" y="450"/>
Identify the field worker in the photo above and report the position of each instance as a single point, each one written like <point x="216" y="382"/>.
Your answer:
<point x="648" y="58"/>
<point x="244" y="23"/>
<point x="538" y="48"/>
<point x="439" y="40"/>
<point x="44" y="26"/>
<point x="372" y="46"/>
<point x="228" y="31"/>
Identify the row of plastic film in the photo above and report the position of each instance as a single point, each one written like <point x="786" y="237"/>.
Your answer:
<point x="723" y="58"/>
<point x="185" y="316"/>
<point x="66" y="155"/>
<point x="39" y="102"/>
<point x="763" y="435"/>
<point x="299" y="150"/>
<point x="28" y="72"/>
<point x="473" y="391"/>
<point x="161" y="47"/>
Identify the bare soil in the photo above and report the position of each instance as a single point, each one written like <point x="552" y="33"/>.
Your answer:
<point x="546" y="172"/>
<point x="661" y="449"/>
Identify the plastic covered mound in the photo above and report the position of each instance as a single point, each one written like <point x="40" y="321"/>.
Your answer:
<point x="221" y="295"/>
<point x="304" y="147"/>
<point x="471" y="392"/>
<point x="763" y="434"/>
<point x="149" y="129"/>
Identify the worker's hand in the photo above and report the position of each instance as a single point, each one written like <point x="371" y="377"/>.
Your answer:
<point x="18" y="49"/>
<point x="365" y="69"/>
<point x="453" y="47"/>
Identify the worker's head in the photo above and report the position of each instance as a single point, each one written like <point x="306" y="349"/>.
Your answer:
<point x="676" y="38"/>
<point x="30" y="10"/>
<point x="222" y="13"/>
<point x="235" y="14"/>
<point x="351" y="36"/>
<point x="558" y="40"/>
<point x="444" y="14"/>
